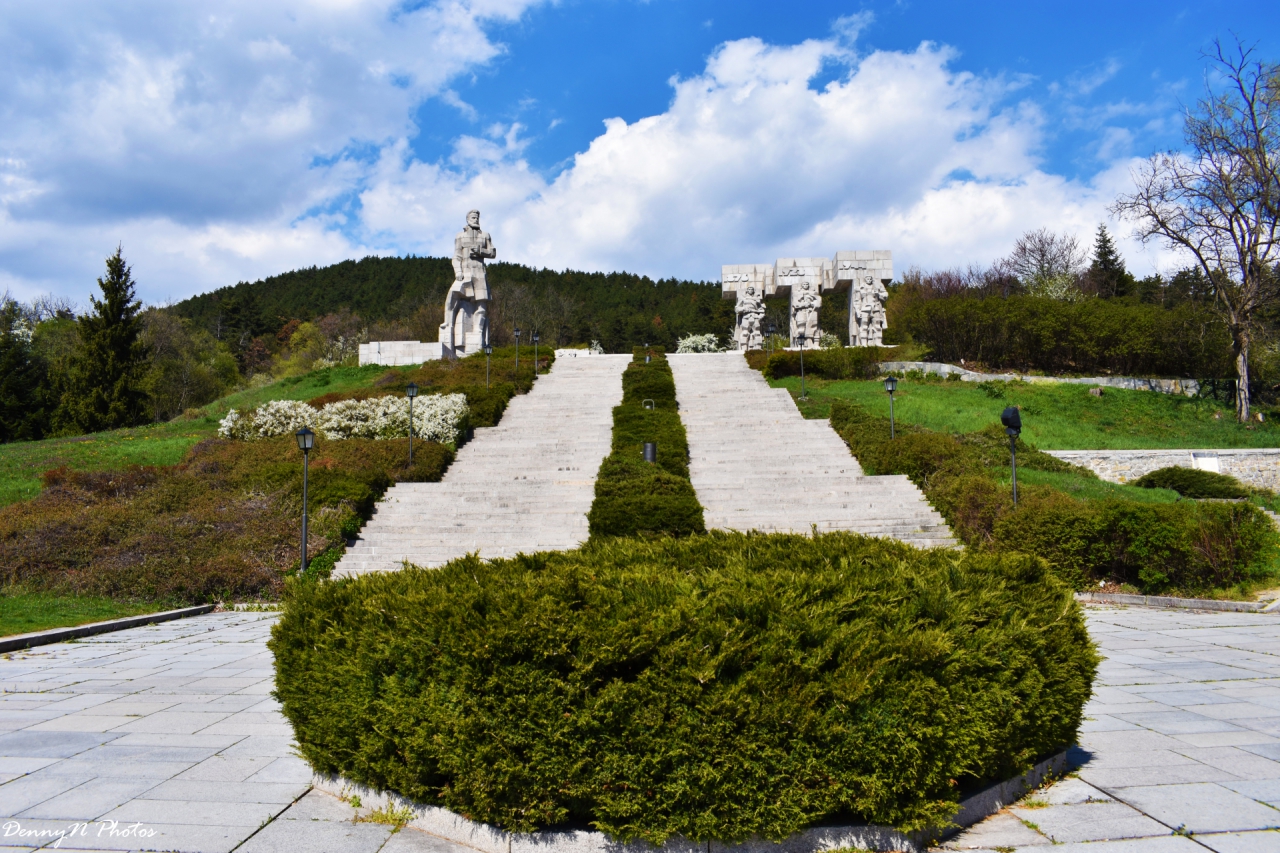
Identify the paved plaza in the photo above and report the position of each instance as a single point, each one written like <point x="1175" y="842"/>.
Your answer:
<point x="166" y="738"/>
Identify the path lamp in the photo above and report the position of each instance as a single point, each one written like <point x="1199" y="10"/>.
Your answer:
<point x="773" y="330"/>
<point x="306" y="440"/>
<point x="803" y="396"/>
<point x="651" y="452"/>
<point x="517" y="354"/>
<point x="1012" y="426"/>
<point x="890" y="385"/>
<point x="411" y="392"/>
<point x="535" y="353"/>
<point x="488" y="353"/>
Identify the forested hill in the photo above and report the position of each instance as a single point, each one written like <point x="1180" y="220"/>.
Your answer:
<point x="407" y="294"/>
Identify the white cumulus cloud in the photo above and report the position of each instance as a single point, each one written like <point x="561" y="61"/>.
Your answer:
<point x="234" y="140"/>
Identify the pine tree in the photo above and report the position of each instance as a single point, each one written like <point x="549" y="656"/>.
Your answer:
<point x="22" y="411"/>
<point x="1107" y="274"/>
<point x="104" y="379"/>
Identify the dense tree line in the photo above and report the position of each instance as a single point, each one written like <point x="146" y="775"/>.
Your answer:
<point x="119" y="365"/>
<point x="403" y="299"/>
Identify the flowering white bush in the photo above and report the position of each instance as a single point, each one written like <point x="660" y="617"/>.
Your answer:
<point x="435" y="418"/>
<point x="698" y="343"/>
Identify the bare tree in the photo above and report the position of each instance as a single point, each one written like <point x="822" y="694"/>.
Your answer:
<point x="1219" y="201"/>
<point x="1042" y="256"/>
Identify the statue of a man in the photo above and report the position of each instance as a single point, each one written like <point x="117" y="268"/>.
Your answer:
<point x="470" y="291"/>
<point x="805" y="302"/>
<point x="750" y="311"/>
<point x="868" y="312"/>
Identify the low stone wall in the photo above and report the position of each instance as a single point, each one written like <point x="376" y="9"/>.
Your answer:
<point x="1258" y="467"/>
<point x="1185" y="387"/>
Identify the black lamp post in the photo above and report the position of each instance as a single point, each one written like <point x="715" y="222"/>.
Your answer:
<point x="488" y="352"/>
<point x="803" y="396"/>
<point x="411" y="391"/>
<point x="306" y="440"/>
<point x="1012" y="421"/>
<point x="517" y="353"/>
<point x="535" y="353"/>
<point x="890" y="385"/>
<point x="772" y="331"/>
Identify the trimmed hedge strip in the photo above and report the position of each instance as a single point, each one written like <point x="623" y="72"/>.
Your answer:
<point x="714" y="687"/>
<point x="1159" y="548"/>
<point x="632" y="496"/>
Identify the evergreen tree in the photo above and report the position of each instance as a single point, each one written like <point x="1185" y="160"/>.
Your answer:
<point x="105" y="378"/>
<point x="23" y="415"/>
<point x="1107" y="274"/>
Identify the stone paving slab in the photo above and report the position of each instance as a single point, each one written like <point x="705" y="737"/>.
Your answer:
<point x="1179" y="750"/>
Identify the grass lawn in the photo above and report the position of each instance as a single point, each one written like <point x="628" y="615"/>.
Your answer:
<point x="23" y="612"/>
<point x="1054" y="417"/>
<point x="21" y="463"/>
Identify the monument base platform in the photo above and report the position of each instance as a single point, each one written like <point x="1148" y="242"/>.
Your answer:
<point x="400" y="353"/>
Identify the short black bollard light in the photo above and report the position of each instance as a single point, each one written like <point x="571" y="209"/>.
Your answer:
<point x="517" y="379"/>
<point x="306" y="440"/>
<point x="651" y="451"/>
<point x="890" y="385"/>
<point x="1012" y="421"/>
<point x="411" y="392"/>
<point x="488" y="353"/>
<point x="535" y="353"/>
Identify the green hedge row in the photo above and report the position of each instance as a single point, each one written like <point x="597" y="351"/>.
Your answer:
<point x="714" y="687"/>
<point x="1184" y="547"/>
<point x="841" y="363"/>
<point x="1090" y="336"/>
<point x="632" y="496"/>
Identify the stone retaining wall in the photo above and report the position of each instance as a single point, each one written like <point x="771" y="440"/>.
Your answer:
<point x="1185" y="387"/>
<point x="1257" y="467"/>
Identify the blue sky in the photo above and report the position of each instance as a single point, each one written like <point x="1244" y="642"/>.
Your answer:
<point x="233" y="140"/>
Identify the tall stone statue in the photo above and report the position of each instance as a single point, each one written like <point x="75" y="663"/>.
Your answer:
<point x="749" y="312"/>
<point x="867" y="307"/>
<point x="805" y="303"/>
<point x="466" y="307"/>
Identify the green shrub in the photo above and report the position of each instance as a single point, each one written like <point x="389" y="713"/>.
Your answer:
<point x="636" y="498"/>
<point x="1184" y="547"/>
<point x="633" y="497"/>
<point x="715" y="687"/>
<point x="842" y="363"/>
<point x="1193" y="483"/>
<point x="1158" y="548"/>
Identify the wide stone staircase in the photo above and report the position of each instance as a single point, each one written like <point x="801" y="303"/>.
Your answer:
<point x="523" y="486"/>
<point x="757" y="464"/>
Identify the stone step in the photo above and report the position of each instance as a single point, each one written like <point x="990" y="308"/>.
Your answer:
<point x="525" y="485"/>
<point x="757" y="464"/>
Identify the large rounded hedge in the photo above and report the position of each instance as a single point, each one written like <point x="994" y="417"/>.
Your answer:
<point x="715" y="687"/>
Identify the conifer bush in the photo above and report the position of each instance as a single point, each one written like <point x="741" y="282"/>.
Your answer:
<point x="1159" y="548"/>
<point x="712" y="687"/>
<point x="634" y="497"/>
<point x="1193" y="483"/>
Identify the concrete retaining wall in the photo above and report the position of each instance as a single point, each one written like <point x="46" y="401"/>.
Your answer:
<point x="1257" y="467"/>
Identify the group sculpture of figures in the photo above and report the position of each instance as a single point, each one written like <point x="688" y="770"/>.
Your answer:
<point x="466" y="307"/>
<point x="863" y="274"/>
